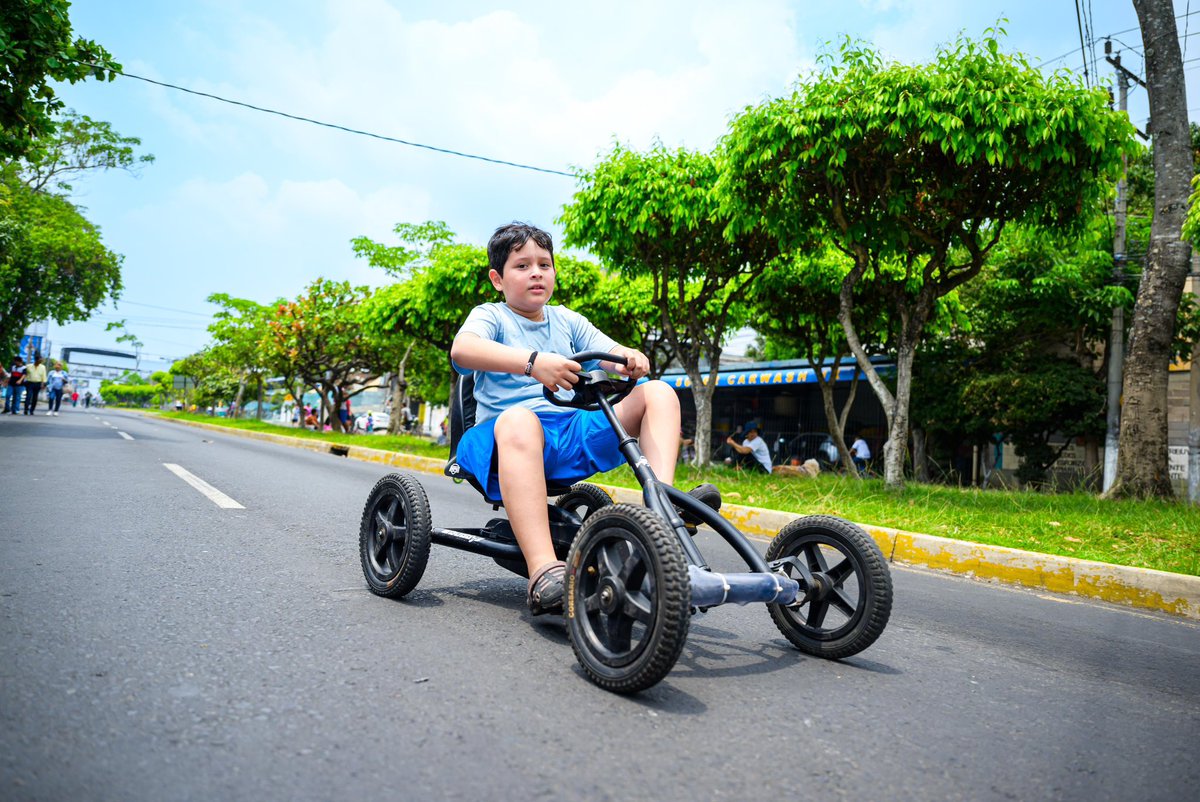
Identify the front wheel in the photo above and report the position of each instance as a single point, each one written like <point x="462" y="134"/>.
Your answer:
<point x="394" y="536"/>
<point x="848" y="604"/>
<point x="627" y="598"/>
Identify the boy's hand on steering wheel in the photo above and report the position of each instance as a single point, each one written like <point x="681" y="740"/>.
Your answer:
<point x="555" y="372"/>
<point x="636" y="364"/>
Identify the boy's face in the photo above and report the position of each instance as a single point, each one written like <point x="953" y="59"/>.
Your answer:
<point x="528" y="279"/>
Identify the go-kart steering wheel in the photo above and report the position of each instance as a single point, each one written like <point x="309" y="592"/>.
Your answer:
<point x="594" y="384"/>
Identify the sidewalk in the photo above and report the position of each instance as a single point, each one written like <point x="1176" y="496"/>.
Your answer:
<point x="1177" y="594"/>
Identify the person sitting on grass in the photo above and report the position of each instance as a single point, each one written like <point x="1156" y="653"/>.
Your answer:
<point x="520" y="441"/>
<point x="752" y="451"/>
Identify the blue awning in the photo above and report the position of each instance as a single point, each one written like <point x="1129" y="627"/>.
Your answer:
<point x="768" y="378"/>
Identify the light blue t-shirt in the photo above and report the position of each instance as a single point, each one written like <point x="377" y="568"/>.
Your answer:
<point x="560" y="331"/>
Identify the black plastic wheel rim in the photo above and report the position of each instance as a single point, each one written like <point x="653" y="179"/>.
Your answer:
<point x="615" y="589"/>
<point x="389" y="534"/>
<point x="578" y="504"/>
<point x="838" y="599"/>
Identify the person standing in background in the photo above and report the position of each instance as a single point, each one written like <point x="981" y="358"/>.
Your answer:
<point x="860" y="454"/>
<point x="74" y="398"/>
<point x="55" y="382"/>
<point x="35" y="377"/>
<point x="16" y="383"/>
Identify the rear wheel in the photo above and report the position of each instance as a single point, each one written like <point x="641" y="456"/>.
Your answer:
<point x="849" y="601"/>
<point x="394" y="535"/>
<point x="583" y="499"/>
<point x="627" y="598"/>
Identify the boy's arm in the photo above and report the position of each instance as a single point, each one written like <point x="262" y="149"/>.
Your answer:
<point x="553" y="371"/>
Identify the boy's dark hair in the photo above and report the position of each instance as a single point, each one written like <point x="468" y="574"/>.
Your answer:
<point x="511" y="237"/>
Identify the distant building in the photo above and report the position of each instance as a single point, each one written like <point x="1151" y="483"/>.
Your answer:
<point x="90" y="366"/>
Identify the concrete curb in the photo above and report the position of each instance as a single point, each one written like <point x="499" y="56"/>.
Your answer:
<point x="1177" y="594"/>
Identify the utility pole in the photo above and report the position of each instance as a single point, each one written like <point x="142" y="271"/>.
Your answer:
<point x="1116" y="339"/>
<point x="1193" y="437"/>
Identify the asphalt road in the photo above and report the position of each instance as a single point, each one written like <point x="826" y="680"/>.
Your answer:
<point x="156" y="646"/>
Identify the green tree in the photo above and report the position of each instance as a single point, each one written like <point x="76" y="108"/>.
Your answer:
<point x="242" y="341"/>
<point x="415" y="320"/>
<point x="795" y="308"/>
<point x="1038" y="398"/>
<point x="657" y="215"/>
<point x="38" y="47"/>
<point x="215" y="383"/>
<point x="78" y="145"/>
<point x="1142" y="457"/>
<point x="53" y="263"/>
<point x="914" y="172"/>
<point x="320" y="335"/>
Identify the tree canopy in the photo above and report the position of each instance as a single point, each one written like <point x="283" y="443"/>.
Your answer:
<point x="53" y="263"/>
<point x="914" y="171"/>
<point x="657" y="215"/>
<point x="37" y="47"/>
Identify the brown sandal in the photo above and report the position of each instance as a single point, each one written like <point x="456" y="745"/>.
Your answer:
<point x="545" y="593"/>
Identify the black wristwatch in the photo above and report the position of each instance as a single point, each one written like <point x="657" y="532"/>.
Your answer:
<point x="529" y="364"/>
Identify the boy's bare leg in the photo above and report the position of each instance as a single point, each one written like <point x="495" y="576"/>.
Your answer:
<point x="519" y="443"/>
<point x="651" y="414"/>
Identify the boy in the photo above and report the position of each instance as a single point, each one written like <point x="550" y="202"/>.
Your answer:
<point x="520" y="440"/>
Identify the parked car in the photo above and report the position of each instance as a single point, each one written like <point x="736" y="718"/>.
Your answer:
<point x="379" y="422"/>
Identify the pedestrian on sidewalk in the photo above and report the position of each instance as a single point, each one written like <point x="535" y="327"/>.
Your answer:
<point x="16" y="384"/>
<point x="35" y="377"/>
<point x="55" y="382"/>
<point x="74" y="398"/>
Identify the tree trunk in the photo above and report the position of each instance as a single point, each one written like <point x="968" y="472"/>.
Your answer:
<point x="919" y="452"/>
<point x="837" y="422"/>
<point x="702" y="394"/>
<point x="896" y="447"/>
<point x="400" y="394"/>
<point x="1142" y="460"/>
<point x="237" y="401"/>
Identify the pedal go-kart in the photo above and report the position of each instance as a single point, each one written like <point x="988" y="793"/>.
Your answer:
<point x="634" y="574"/>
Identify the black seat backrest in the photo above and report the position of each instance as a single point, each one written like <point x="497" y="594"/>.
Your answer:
<point x="462" y="417"/>
<point x="462" y="409"/>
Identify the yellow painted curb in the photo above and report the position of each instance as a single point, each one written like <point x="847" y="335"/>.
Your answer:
<point x="1177" y="594"/>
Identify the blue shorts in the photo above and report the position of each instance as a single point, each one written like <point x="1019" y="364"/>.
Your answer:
<point x="578" y="444"/>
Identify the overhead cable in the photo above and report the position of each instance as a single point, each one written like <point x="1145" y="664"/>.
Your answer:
<point x="334" y="126"/>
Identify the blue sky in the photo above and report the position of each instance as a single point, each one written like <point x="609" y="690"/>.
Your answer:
<point x="257" y="206"/>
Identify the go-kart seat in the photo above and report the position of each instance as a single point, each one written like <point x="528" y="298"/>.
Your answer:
<point x="462" y="417"/>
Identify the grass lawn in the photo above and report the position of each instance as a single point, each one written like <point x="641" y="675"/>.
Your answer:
<point x="1145" y="534"/>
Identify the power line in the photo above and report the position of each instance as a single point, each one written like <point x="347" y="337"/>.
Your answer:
<point x="163" y="308"/>
<point x="1087" y="79"/>
<point x="334" y="126"/>
<point x="1112" y="35"/>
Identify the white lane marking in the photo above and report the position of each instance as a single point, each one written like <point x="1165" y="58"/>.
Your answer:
<point x="106" y="423"/>
<point x="127" y="437"/>
<point x="215" y="496"/>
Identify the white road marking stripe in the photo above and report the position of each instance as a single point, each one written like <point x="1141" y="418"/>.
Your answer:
<point x="127" y="437"/>
<point x="214" y="495"/>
